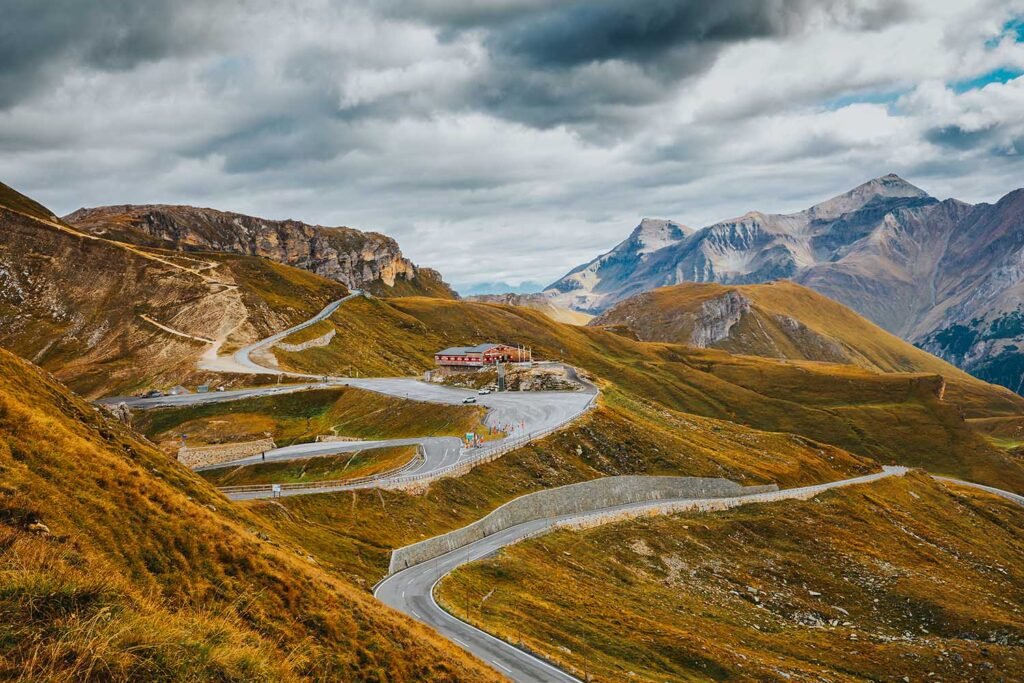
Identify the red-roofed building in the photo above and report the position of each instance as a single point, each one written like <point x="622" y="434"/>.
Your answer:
<point x="480" y="355"/>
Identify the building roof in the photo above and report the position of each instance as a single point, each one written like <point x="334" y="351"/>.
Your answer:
<point x="466" y="350"/>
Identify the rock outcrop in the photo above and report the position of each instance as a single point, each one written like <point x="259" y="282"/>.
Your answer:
<point x="108" y="317"/>
<point x="359" y="260"/>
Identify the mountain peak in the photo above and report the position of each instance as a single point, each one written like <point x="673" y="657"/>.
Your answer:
<point x="653" y="234"/>
<point x="889" y="186"/>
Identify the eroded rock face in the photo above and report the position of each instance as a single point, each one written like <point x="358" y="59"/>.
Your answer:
<point x="717" y="317"/>
<point x="359" y="260"/>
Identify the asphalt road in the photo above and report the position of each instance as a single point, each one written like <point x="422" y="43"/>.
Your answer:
<point x="243" y="356"/>
<point x="518" y="414"/>
<point x="1016" y="498"/>
<point x="411" y="590"/>
<point x="210" y="397"/>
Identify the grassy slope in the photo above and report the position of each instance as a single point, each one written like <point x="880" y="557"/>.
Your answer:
<point x="888" y="416"/>
<point x="830" y="332"/>
<point x="901" y="577"/>
<point x="148" y="574"/>
<point x="354" y="532"/>
<point x="13" y="199"/>
<point x="364" y="463"/>
<point x="301" y="416"/>
<point x="72" y="304"/>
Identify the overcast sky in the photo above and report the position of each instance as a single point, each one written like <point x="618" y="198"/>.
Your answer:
<point x="506" y="139"/>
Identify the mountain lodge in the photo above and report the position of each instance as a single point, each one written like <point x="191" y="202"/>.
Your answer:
<point x="481" y="355"/>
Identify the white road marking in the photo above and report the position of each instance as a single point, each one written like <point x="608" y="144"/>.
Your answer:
<point x="501" y="666"/>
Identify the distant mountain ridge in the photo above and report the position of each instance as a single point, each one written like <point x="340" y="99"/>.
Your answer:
<point x="357" y="259"/>
<point x="945" y="275"/>
<point x="489" y="288"/>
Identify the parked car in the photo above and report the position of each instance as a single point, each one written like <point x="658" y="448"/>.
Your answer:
<point x="469" y="399"/>
<point x="484" y="392"/>
<point x="220" y="388"/>
<point x="154" y="394"/>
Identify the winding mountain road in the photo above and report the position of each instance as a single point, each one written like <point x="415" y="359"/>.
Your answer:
<point x="411" y="590"/>
<point x="522" y="416"/>
<point x="530" y="415"/>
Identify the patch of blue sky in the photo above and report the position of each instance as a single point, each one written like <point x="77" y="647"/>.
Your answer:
<point x="1014" y="27"/>
<point x="886" y="97"/>
<point x="1000" y="75"/>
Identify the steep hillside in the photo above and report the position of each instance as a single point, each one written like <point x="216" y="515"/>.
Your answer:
<point x="353" y="532"/>
<point x="898" y="417"/>
<point x="359" y="260"/>
<point x="941" y="274"/>
<point x="898" y="580"/>
<point x="118" y="564"/>
<point x="108" y="317"/>
<point x="780" y="320"/>
<point x="979" y="322"/>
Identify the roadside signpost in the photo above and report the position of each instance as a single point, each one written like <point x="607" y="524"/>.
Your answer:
<point x="276" y="490"/>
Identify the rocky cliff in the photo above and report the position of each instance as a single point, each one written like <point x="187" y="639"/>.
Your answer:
<point x="110" y="317"/>
<point x="945" y="275"/>
<point x="359" y="260"/>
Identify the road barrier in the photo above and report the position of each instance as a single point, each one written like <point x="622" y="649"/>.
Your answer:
<point x="485" y="456"/>
<point x="204" y="456"/>
<point x="327" y="484"/>
<point x="573" y="499"/>
<point x="397" y="480"/>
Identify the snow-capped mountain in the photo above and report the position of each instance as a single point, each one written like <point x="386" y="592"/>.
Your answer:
<point x="599" y="283"/>
<point x="946" y="275"/>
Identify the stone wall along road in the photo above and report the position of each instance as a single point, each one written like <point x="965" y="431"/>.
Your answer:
<point x="214" y="455"/>
<point x="597" y="494"/>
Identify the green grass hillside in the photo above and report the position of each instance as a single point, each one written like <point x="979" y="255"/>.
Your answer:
<point x="898" y="580"/>
<point x="892" y="417"/>
<point x="118" y="564"/>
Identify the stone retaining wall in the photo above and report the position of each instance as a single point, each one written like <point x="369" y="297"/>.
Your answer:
<point x="322" y="340"/>
<point x="330" y="438"/>
<point x="213" y="455"/>
<point x="601" y="493"/>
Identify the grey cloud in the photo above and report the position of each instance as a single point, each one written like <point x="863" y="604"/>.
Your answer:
<point x="540" y="51"/>
<point x="281" y="116"/>
<point x="39" y="40"/>
<point x="955" y="137"/>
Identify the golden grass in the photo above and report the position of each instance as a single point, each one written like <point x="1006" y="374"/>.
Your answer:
<point x="898" y="578"/>
<point x="826" y="331"/>
<point x="136" y="541"/>
<point x="300" y="417"/>
<point x="354" y="532"/>
<point x="891" y="417"/>
<point x="343" y="467"/>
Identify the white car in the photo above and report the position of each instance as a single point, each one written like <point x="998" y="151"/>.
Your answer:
<point x="484" y="392"/>
<point x="469" y="399"/>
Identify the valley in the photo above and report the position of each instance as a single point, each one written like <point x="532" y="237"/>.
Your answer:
<point x="512" y="341"/>
<point x="791" y="392"/>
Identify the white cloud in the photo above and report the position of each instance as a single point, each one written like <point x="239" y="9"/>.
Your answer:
<point x="408" y="118"/>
